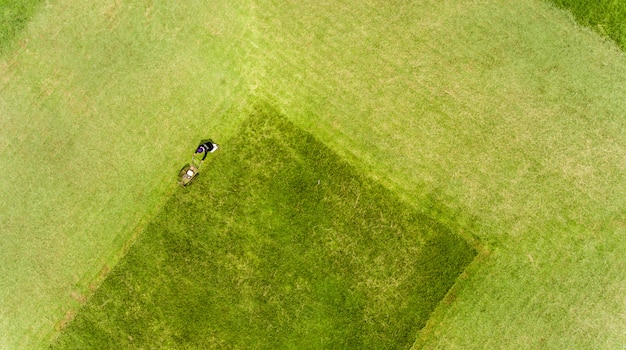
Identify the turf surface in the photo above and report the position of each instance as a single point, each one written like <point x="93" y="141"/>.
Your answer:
<point x="608" y="17"/>
<point x="279" y="244"/>
<point x="14" y="15"/>
<point x="504" y="120"/>
<point x="100" y="103"/>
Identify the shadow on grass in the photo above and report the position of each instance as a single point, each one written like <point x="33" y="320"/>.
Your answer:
<point x="280" y="244"/>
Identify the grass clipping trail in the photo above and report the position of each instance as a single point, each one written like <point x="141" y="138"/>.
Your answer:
<point x="279" y="244"/>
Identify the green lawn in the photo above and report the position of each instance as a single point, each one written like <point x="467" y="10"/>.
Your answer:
<point x="14" y="14"/>
<point x="607" y="17"/>
<point x="504" y="121"/>
<point x="279" y="244"/>
<point x="99" y="104"/>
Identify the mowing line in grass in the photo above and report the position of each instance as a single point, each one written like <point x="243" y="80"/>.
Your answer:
<point x="98" y="105"/>
<point x="607" y="17"/>
<point x="279" y="244"/>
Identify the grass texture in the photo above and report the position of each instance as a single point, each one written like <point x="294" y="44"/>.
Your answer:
<point x="502" y="120"/>
<point x="99" y="105"/>
<point x="279" y="244"/>
<point x="14" y="15"/>
<point x="608" y="17"/>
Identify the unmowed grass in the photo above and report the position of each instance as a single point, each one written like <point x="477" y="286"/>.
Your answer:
<point x="608" y="17"/>
<point x="100" y="103"/>
<point x="502" y="119"/>
<point x="14" y="15"/>
<point x="279" y="244"/>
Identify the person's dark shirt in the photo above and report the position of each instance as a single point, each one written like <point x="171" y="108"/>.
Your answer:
<point x="206" y="148"/>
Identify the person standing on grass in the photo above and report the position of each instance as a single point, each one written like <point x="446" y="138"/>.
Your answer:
<point x="206" y="146"/>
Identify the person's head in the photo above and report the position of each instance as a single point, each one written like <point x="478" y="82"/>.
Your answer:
<point x="200" y="150"/>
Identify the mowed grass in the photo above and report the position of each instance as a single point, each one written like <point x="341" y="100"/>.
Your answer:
<point x="505" y="120"/>
<point x="279" y="244"/>
<point x="100" y="103"/>
<point x="608" y="17"/>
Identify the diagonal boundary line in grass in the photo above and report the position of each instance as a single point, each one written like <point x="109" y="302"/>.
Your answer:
<point x="144" y="112"/>
<point x="91" y="280"/>
<point x="607" y="18"/>
<point x="279" y="243"/>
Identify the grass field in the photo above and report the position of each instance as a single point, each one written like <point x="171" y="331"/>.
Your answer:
<point x="14" y="14"/>
<point x="510" y="117"/>
<point x="100" y="103"/>
<point x="504" y="121"/>
<point x="278" y="244"/>
<point x="607" y="17"/>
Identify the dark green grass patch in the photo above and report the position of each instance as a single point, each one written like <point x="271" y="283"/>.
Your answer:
<point x="279" y="244"/>
<point x="606" y="16"/>
<point x="14" y="14"/>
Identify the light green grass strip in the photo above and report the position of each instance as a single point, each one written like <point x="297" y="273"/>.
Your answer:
<point x="504" y="117"/>
<point x="99" y="107"/>
<point x="510" y="116"/>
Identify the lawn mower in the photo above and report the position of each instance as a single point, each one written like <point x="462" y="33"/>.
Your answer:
<point x="189" y="172"/>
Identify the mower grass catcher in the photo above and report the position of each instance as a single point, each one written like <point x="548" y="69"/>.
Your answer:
<point x="187" y="174"/>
